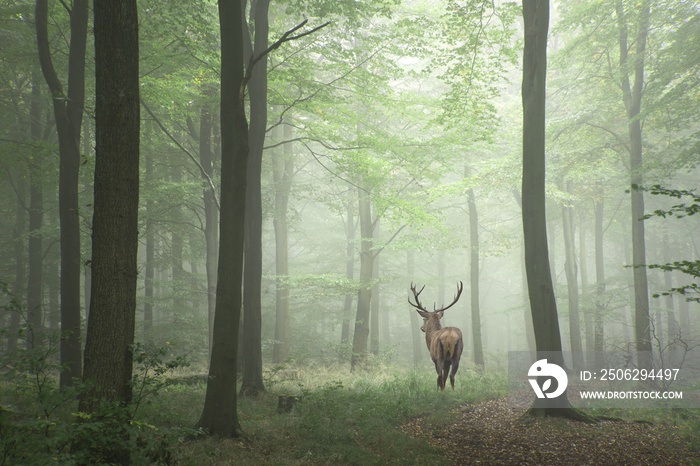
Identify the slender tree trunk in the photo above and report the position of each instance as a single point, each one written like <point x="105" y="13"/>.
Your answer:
<point x="583" y="266"/>
<point x="220" y="412"/>
<point x="68" y="112"/>
<point x="599" y="329"/>
<point x="252" y="320"/>
<point x="671" y="322"/>
<point x="415" y="318"/>
<point x="361" y="333"/>
<point x="19" y="285"/>
<point x="149" y="272"/>
<point x="632" y="98"/>
<point x="177" y="247"/>
<point x="110" y="331"/>
<point x="54" y="301"/>
<point x="282" y="173"/>
<point x="211" y="215"/>
<point x="570" y="270"/>
<point x="474" y="278"/>
<point x="36" y="214"/>
<point x="349" y="267"/>
<point x="374" y="305"/>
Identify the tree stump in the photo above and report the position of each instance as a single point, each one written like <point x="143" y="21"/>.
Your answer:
<point x="286" y="403"/>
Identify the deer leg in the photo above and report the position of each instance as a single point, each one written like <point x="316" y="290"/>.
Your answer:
<point x="445" y="372"/>
<point x="455" y="363"/>
<point x="455" y="366"/>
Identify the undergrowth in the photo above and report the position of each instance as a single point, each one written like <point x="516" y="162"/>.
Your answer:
<point x="340" y="418"/>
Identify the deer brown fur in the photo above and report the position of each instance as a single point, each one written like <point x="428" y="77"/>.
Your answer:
<point x="444" y="343"/>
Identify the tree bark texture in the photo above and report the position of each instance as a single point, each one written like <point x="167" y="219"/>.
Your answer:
<point x="220" y="414"/>
<point x="252" y="282"/>
<point x="68" y="113"/>
<point x="542" y="303"/>
<point x="110" y="331"/>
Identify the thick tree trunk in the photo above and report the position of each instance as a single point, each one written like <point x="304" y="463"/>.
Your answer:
<point x="282" y="172"/>
<point x="541" y="292"/>
<point x="542" y="303"/>
<point x="220" y="412"/>
<point x="110" y="331"/>
<point x="252" y="383"/>
<point x="68" y="111"/>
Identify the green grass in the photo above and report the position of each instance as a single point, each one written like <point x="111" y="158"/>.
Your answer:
<point x="342" y="418"/>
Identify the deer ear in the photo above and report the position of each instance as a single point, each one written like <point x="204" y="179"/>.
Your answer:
<point x="440" y="314"/>
<point x="423" y="314"/>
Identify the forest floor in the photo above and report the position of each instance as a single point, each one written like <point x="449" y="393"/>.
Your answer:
<point x="493" y="433"/>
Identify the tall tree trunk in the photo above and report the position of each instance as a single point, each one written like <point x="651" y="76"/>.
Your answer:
<point x="671" y="322"/>
<point x="177" y="247"/>
<point x="211" y="214"/>
<point x="68" y="112"/>
<point x="282" y="173"/>
<point x="359" y="340"/>
<point x="252" y="319"/>
<point x="539" y="279"/>
<point x="415" y="318"/>
<point x="149" y="272"/>
<point x="374" y="305"/>
<point x="632" y="97"/>
<point x="220" y="412"/>
<point x="19" y="286"/>
<point x="36" y="214"/>
<point x="527" y="315"/>
<point x="583" y="266"/>
<point x="110" y="331"/>
<point x="474" y="275"/>
<point x="599" y="329"/>
<point x="570" y="270"/>
<point x="349" y="266"/>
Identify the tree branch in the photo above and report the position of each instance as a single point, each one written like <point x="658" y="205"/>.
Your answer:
<point x="286" y="37"/>
<point x="184" y="149"/>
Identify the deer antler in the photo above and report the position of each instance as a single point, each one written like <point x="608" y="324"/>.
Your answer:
<point x="459" y="292"/>
<point x="418" y="305"/>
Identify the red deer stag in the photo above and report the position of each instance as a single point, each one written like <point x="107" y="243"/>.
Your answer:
<point x="444" y="343"/>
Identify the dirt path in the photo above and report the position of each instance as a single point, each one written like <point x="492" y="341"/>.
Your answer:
<point x="491" y="433"/>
